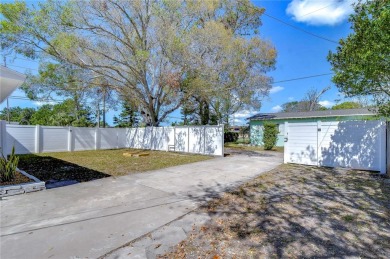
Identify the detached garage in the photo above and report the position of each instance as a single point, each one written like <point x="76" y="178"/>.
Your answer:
<point x="335" y="138"/>
<point x="280" y="118"/>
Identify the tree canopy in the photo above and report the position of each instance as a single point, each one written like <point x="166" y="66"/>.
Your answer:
<point x="17" y="114"/>
<point x="346" y="105"/>
<point x="310" y="102"/>
<point x="156" y="53"/>
<point x="362" y="60"/>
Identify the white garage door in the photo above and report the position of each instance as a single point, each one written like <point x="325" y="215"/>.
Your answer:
<point x="352" y="144"/>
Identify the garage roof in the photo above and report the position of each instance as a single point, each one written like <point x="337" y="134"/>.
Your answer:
<point x="312" y="114"/>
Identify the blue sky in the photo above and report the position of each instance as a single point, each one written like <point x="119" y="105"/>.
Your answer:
<point x="300" y="54"/>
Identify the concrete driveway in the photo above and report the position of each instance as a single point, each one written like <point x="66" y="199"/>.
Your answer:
<point x="93" y="218"/>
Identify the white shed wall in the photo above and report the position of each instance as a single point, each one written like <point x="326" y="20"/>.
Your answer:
<point x="350" y="144"/>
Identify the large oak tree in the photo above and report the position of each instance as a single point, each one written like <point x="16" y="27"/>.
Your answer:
<point x="146" y="50"/>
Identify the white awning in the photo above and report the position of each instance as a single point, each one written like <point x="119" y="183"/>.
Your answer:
<point x="9" y="81"/>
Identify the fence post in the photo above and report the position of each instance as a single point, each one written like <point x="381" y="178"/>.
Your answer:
<point x="204" y="139"/>
<point x="174" y="138"/>
<point x="383" y="140"/>
<point x="3" y="137"/>
<point x="319" y="137"/>
<point x="188" y="139"/>
<point x="70" y="139"/>
<point x="285" y="145"/>
<point x="223" y="139"/>
<point x="37" y="139"/>
<point x="97" y="138"/>
<point x="387" y="125"/>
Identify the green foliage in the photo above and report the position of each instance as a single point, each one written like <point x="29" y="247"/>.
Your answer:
<point x="230" y="136"/>
<point x="63" y="114"/>
<point x="128" y="117"/>
<point x="301" y="106"/>
<point x="17" y="114"/>
<point x="8" y="166"/>
<point x="270" y="135"/>
<point x="361" y="61"/>
<point x="144" y="50"/>
<point x="347" y="105"/>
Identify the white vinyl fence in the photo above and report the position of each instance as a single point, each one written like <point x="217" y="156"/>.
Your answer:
<point x="208" y="140"/>
<point x="351" y="144"/>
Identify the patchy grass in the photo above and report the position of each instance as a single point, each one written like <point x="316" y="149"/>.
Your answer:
<point x="237" y="146"/>
<point x="89" y="165"/>
<point x="296" y="212"/>
<point x="19" y="179"/>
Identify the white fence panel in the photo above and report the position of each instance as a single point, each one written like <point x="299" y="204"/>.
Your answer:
<point x="351" y="144"/>
<point x="159" y="138"/>
<point x="214" y="142"/>
<point x="122" y="137"/>
<point x="53" y="139"/>
<point x="35" y="139"/>
<point x="84" y="138"/>
<point x="197" y="140"/>
<point x="108" y="138"/>
<point x="181" y="139"/>
<point x="22" y="137"/>
<point x="302" y="143"/>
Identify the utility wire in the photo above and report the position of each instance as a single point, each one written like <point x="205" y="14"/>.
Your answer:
<point x="23" y="67"/>
<point x="316" y="10"/>
<point x="300" y="29"/>
<point x="301" y="78"/>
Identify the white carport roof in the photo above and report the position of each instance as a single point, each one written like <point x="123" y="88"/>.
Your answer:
<point x="9" y="81"/>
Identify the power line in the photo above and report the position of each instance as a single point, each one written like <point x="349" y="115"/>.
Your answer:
<point x="23" y="67"/>
<point x="300" y="29"/>
<point x="29" y="60"/>
<point x="316" y="10"/>
<point x="301" y="78"/>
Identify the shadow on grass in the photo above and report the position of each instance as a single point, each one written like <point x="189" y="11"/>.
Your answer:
<point x="56" y="172"/>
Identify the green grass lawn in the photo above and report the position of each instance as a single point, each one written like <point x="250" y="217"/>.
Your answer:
<point x="88" y="165"/>
<point x="250" y="148"/>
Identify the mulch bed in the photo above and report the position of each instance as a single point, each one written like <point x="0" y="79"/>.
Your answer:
<point x="19" y="179"/>
<point x="47" y="169"/>
<point x="296" y="212"/>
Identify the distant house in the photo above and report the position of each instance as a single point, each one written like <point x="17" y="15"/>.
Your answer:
<point x="256" y="121"/>
<point x="9" y="81"/>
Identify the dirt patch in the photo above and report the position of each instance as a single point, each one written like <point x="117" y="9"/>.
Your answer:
<point x="19" y="179"/>
<point x="296" y="212"/>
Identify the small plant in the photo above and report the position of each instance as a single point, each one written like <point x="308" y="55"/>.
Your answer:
<point x="348" y="218"/>
<point x="230" y="136"/>
<point x="8" y="166"/>
<point x="270" y="135"/>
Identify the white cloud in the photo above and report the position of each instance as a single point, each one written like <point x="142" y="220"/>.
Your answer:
<point x="276" y="108"/>
<point x="276" y="89"/>
<point x="326" y="103"/>
<point x="291" y="98"/>
<point x="239" y="118"/>
<point x="41" y="103"/>
<point x="313" y="12"/>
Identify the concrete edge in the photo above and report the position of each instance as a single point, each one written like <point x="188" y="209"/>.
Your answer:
<point x="10" y="190"/>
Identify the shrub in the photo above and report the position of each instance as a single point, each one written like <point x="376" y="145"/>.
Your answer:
<point x="230" y="136"/>
<point x="8" y="166"/>
<point x="270" y="135"/>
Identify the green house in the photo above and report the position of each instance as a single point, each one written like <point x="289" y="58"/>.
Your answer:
<point x="256" y="121"/>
